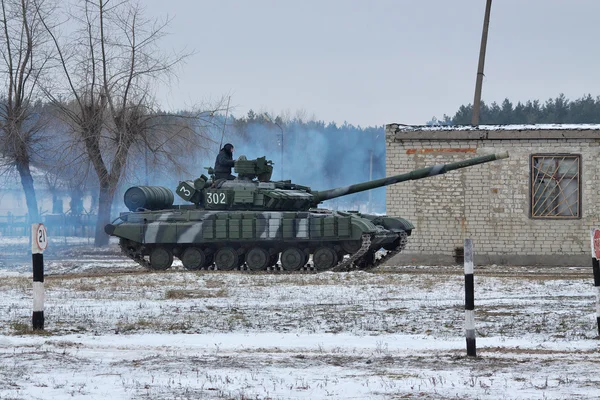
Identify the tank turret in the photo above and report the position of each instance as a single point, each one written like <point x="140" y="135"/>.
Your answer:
<point x="253" y="223"/>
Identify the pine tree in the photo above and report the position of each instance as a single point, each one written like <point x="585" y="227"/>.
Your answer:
<point x="559" y="110"/>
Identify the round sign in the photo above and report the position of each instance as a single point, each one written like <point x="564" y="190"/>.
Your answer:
<point x="41" y="237"/>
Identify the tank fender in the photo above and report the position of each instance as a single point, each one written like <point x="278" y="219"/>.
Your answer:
<point x="132" y="232"/>
<point x="360" y="226"/>
<point x="394" y="223"/>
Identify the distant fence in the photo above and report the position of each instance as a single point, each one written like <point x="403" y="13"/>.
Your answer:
<point x="56" y="224"/>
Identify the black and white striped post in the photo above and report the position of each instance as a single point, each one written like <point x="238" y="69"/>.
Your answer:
<point x="469" y="299"/>
<point x="595" y="234"/>
<point x="39" y="242"/>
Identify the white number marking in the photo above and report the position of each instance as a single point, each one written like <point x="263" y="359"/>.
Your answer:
<point x="215" y="198"/>
<point x="185" y="191"/>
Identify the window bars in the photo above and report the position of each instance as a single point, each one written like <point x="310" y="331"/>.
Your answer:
<point x="555" y="186"/>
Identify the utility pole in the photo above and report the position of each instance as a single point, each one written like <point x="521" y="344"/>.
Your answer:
<point x="373" y="143"/>
<point x="281" y="142"/>
<point x="274" y="122"/>
<point x="479" y="82"/>
<point x="225" y="123"/>
<point x="146" y="164"/>
<point x="371" y="178"/>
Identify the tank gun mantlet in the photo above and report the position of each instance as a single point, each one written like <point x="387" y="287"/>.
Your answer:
<point x="288" y="185"/>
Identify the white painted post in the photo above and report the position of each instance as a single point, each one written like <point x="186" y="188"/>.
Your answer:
<point x="469" y="299"/>
<point x="39" y="243"/>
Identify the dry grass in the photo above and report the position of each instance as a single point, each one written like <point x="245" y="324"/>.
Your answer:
<point x="214" y="283"/>
<point x="20" y="328"/>
<point x="143" y="324"/>
<point x="326" y="279"/>
<point x="174" y="294"/>
<point x="12" y="283"/>
<point x="83" y="286"/>
<point x="140" y="324"/>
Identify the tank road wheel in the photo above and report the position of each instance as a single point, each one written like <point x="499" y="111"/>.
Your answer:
<point x="351" y="246"/>
<point x="324" y="258"/>
<point x="160" y="258"/>
<point x="226" y="259"/>
<point x="193" y="258"/>
<point x="257" y="259"/>
<point x="292" y="259"/>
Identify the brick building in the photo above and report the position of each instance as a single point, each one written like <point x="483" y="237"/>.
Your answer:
<point x="535" y="208"/>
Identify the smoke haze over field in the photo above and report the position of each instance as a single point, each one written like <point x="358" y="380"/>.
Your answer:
<point x="322" y="157"/>
<point x="314" y="154"/>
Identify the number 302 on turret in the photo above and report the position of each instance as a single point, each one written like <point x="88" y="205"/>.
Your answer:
<point x="215" y="199"/>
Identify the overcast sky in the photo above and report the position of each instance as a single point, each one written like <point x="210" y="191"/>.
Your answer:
<point x="380" y="61"/>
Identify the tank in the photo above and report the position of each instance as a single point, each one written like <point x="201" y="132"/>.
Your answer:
<point x="252" y="223"/>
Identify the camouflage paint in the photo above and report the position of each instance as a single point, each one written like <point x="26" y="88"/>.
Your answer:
<point x="181" y="227"/>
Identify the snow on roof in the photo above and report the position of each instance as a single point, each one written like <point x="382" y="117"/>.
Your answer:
<point x="516" y="127"/>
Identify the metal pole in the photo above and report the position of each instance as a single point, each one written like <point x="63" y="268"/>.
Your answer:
<point x="225" y="123"/>
<point x="479" y="82"/>
<point x="371" y="178"/>
<point x="146" y="165"/>
<point x="469" y="299"/>
<point x="271" y="120"/>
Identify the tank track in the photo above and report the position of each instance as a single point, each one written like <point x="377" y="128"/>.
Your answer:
<point x="390" y="253"/>
<point x="351" y="263"/>
<point x="347" y="263"/>
<point x="134" y="255"/>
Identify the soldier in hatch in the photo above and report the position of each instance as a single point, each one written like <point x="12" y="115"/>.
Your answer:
<point x="224" y="163"/>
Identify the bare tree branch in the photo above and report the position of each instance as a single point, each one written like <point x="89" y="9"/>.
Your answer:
<point x="24" y="50"/>
<point x="110" y="66"/>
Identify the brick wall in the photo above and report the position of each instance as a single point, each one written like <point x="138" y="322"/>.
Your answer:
<point x="489" y="203"/>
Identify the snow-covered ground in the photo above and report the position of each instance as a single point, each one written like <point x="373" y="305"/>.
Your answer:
<point x="114" y="331"/>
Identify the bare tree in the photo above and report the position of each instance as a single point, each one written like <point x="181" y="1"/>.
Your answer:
<point x="25" y="56"/>
<point x="111" y="66"/>
<point x="67" y="167"/>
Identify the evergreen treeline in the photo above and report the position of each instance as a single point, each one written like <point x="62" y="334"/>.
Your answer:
<point x="585" y="110"/>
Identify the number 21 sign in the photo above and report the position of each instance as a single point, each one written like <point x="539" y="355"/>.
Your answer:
<point x="40" y="238"/>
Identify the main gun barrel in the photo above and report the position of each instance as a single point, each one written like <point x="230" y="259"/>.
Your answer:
<point x="409" y="176"/>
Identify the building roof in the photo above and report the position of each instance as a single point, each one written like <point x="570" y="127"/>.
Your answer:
<point x="494" y="132"/>
<point x="516" y="127"/>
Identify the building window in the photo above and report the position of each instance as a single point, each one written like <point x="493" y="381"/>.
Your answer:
<point x="555" y="186"/>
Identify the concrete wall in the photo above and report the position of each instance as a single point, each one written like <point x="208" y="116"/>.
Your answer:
<point x="489" y="203"/>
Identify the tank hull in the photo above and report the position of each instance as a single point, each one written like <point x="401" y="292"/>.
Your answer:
<point x="252" y="234"/>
